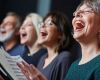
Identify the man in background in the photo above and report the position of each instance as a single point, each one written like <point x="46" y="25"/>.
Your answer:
<point x="9" y="36"/>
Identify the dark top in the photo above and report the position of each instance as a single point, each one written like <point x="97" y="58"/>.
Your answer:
<point x="57" y="69"/>
<point x="87" y="71"/>
<point x="75" y="51"/>
<point x="34" y="59"/>
<point x="18" y="49"/>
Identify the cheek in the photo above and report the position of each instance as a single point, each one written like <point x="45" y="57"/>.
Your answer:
<point x="32" y="34"/>
<point x="95" y="24"/>
<point x="20" y="30"/>
<point x="8" y="28"/>
<point x="54" y="34"/>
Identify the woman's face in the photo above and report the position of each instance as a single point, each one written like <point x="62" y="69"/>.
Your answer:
<point x="86" y="24"/>
<point x="27" y="32"/>
<point x="49" y="33"/>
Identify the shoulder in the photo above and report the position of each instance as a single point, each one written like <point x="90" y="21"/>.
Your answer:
<point x="43" y="57"/>
<point x="75" y="63"/>
<point x="64" y="54"/>
<point x="64" y="57"/>
<point x="21" y="49"/>
<point x="41" y="52"/>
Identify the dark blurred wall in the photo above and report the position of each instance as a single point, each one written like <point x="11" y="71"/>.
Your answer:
<point x="23" y="7"/>
<point x="66" y="6"/>
<point x="2" y="10"/>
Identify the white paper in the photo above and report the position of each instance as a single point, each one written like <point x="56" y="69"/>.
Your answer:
<point x="9" y="63"/>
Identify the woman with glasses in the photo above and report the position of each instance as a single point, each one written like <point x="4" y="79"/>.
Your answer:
<point x="55" y="36"/>
<point x="86" y="25"/>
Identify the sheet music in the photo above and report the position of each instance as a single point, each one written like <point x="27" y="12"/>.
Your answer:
<point x="10" y="65"/>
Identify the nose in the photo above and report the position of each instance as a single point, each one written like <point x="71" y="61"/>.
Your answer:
<point x="42" y="25"/>
<point x="77" y="14"/>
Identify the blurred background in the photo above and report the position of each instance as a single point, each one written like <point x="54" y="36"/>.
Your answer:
<point x="23" y="7"/>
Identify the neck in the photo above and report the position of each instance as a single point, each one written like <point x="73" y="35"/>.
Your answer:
<point x="89" y="51"/>
<point x="52" y="51"/>
<point x="10" y="44"/>
<point x="33" y="48"/>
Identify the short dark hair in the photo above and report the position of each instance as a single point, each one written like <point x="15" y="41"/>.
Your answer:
<point x="63" y="25"/>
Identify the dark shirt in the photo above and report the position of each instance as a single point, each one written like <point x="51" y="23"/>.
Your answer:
<point x="75" y="51"/>
<point x="17" y="49"/>
<point x="87" y="71"/>
<point x="57" y="69"/>
<point x="34" y="59"/>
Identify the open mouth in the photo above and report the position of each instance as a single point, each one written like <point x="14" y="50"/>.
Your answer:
<point x="79" y="26"/>
<point x="23" y="35"/>
<point x="2" y="31"/>
<point x="44" y="34"/>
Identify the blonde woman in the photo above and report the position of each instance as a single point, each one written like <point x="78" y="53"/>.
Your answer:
<point x="29" y="32"/>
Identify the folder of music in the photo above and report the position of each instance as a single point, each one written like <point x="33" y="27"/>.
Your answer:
<point x="8" y="66"/>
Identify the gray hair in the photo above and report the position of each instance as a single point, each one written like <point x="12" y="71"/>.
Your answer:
<point x="94" y="4"/>
<point x="36" y="20"/>
<point x="18" y="18"/>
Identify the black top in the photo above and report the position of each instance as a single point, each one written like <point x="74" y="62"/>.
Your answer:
<point x="57" y="68"/>
<point x="34" y="59"/>
<point x="87" y="71"/>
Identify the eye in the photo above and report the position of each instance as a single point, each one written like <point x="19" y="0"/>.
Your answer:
<point x="87" y="11"/>
<point x="30" y="24"/>
<point x="50" y="23"/>
<point x="8" y="24"/>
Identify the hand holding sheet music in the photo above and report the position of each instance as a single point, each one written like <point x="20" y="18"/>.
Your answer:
<point x="31" y="72"/>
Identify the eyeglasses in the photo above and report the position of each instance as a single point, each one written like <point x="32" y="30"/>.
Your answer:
<point x="83" y="12"/>
<point x="48" y="23"/>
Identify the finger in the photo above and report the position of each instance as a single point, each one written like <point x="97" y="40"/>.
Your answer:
<point x="26" y="65"/>
<point x="39" y="77"/>
<point x="37" y="74"/>
<point x="20" y="65"/>
<point x="34" y="70"/>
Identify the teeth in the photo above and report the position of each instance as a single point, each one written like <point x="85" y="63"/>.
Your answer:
<point x="79" y="25"/>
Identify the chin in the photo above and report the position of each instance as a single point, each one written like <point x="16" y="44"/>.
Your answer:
<point x="23" y="42"/>
<point x="42" y="42"/>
